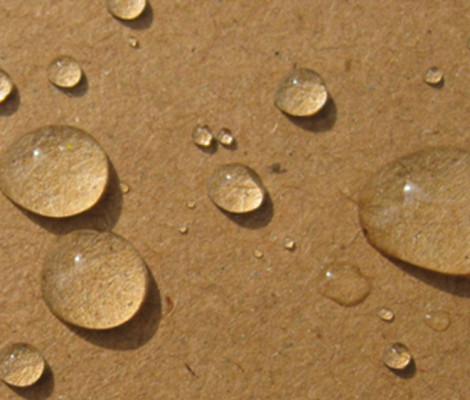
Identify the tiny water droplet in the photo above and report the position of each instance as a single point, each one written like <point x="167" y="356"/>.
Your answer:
<point x="124" y="187"/>
<point x="191" y="204"/>
<point x="64" y="72"/>
<point x="133" y="42"/>
<point x="225" y="137"/>
<point x="21" y="364"/>
<point x="301" y="93"/>
<point x="183" y="229"/>
<point x="258" y="253"/>
<point x="344" y="284"/>
<point x="437" y="320"/>
<point x="397" y="356"/>
<point x="106" y="290"/>
<point x="433" y="76"/>
<point x="6" y="86"/>
<point x="126" y="9"/>
<point x="385" y="314"/>
<point x="236" y="188"/>
<point x="202" y="136"/>
<point x="289" y="243"/>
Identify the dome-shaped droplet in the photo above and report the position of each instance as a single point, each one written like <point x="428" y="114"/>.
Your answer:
<point x="202" y="136"/>
<point x="21" y="364"/>
<point x="437" y="320"/>
<point x="94" y="280"/>
<point x="433" y="76"/>
<point x="385" y="314"/>
<point x="417" y="209"/>
<point x="301" y="93"/>
<point x="397" y="356"/>
<point x="6" y="85"/>
<point x="126" y="9"/>
<point x="225" y="137"/>
<point x="55" y="171"/>
<point x="64" y="72"/>
<point x="236" y="188"/>
<point x="289" y="243"/>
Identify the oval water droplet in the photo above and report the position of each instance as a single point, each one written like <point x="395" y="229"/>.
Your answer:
<point x="202" y="136"/>
<point x="6" y="86"/>
<point x="301" y="93"/>
<point x="417" y="209"/>
<point x="385" y="314"/>
<point x="64" y="72"/>
<point x="21" y="364"/>
<point x="258" y="253"/>
<point x="126" y="9"/>
<point x="55" y="171"/>
<point x="105" y="289"/>
<point x="344" y="284"/>
<point x="433" y="76"/>
<point x="236" y="188"/>
<point x="397" y="356"/>
<point x="437" y="320"/>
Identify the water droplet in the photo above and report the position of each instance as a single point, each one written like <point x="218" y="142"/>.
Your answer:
<point x="65" y="72"/>
<point x="183" y="229"/>
<point x="105" y="290"/>
<point x="124" y="188"/>
<point x="236" y="188"/>
<point x="126" y="9"/>
<point x="437" y="320"/>
<point x="301" y="93"/>
<point x="202" y="136"/>
<point x="55" y="171"/>
<point x="289" y="243"/>
<point x="397" y="356"/>
<point x="21" y="364"/>
<point x="6" y="86"/>
<point x="133" y="42"/>
<point x="258" y="253"/>
<point x="344" y="284"/>
<point x="433" y="76"/>
<point x="191" y="204"/>
<point x="417" y="208"/>
<point x="385" y="314"/>
<point x="225" y="137"/>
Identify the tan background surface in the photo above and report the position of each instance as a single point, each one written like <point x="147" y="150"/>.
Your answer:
<point x="241" y="327"/>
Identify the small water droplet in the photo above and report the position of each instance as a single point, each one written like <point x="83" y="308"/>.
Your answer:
<point x="6" y="86"/>
<point x="258" y="253"/>
<point x="191" y="204"/>
<point x="183" y="229"/>
<point x="385" y="314"/>
<point x="133" y="42"/>
<point x="344" y="284"/>
<point x="437" y="320"/>
<point x="202" y="136"/>
<point x="236" y="188"/>
<point x="106" y="291"/>
<point x="433" y="76"/>
<point x="21" y="364"/>
<point x="40" y="172"/>
<point x="64" y="72"/>
<point x="289" y="243"/>
<point x="301" y="93"/>
<point x="416" y="209"/>
<point x="124" y="187"/>
<point x="397" y="356"/>
<point x="225" y="137"/>
<point x="126" y="9"/>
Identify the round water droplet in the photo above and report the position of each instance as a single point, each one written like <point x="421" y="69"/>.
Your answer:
<point x="21" y="364"/>
<point x="258" y="253"/>
<point x="6" y="86"/>
<point x="433" y="76"/>
<point x="225" y="137"/>
<point x="202" y="136"/>
<point x="126" y="9"/>
<point x="133" y="42"/>
<point x="344" y="284"/>
<point x="289" y="243"/>
<point x="417" y="209"/>
<point x="124" y="187"/>
<point x="183" y="229"/>
<point x="385" y="314"/>
<point x="65" y="72"/>
<point x="301" y="93"/>
<point x="104" y="289"/>
<point x="191" y="204"/>
<point x="437" y="320"/>
<point x="236" y="188"/>
<point x="55" y="171"/>
<point x="397" y="356"/>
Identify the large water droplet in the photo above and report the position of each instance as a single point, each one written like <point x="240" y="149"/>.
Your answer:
<point x="397" y="356"/>
<point x="126" y="9"/>
<point x="55" y="171"/>
<point x="21" y="364"/>
<point x="236" y="188"/>
<point x="6" y="85"/>
<point x="417" y="209"/>
<point x="103" y="289"/>
<point x="65" y="72"/>
<point x="344" y="284"/>
<point x="433" y="76"/>
<point x="301" y="93"/>
<point x="437" y="320"/>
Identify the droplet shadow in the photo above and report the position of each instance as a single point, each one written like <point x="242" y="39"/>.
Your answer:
<point x="134" y="333"/>
<point x="144" y="21"/>
<point x="11" y="104"/>
<point x="77" y="91"/>
<point x="209" y="149"/>
<point x="41" y="390"/>
<point x="406" y="373"/>
<point x="318" y="123"/>
<point x="103" y="216"/>
<point x="439" y="85"/>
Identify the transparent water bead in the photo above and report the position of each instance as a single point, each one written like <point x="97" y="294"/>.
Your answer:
<point x="236" y="188"/>
<point x="417" y="208"/>
<point x="133" y="42"/>
<point x="433" y="76"/>
<point x="21" y="364"/>
<point x="94" y="280"/>
<point x="289" y="243"/>
<point x="55" y="171"/>
<point x="64" y="72"/>
<point x="6" y="86"/>
<point x="437" y="320"/>
<point x="202" y="136"/>
<point x="301" y="93"/>
<point x="397" y="356"/>
<point x="344" y="284"/>
<point x="385" y="314"/>
<point x="225" y="137"/>
<point x="126" y="9"/>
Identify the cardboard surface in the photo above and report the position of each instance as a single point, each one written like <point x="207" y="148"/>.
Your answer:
<point x="220" y="323"/>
